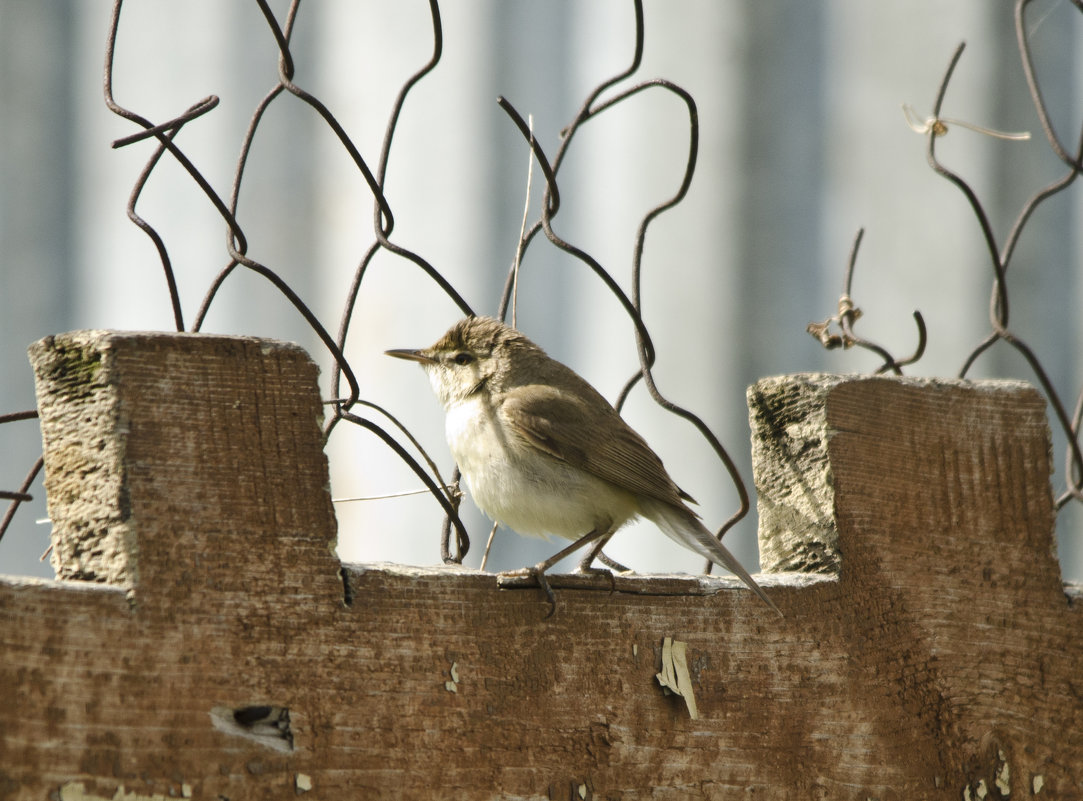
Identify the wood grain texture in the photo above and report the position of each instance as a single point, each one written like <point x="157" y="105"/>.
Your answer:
<point x="942" y="652"/>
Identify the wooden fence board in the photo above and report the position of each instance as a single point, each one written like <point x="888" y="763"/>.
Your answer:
<point x="929" y="647"/>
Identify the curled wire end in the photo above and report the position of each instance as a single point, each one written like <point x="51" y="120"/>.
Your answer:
<point x="938" y="126"/>
<point x="821" y="332"/>
<point x="846" y="338"/>
<point x="848" y="314"/>
<point x="895" y="366"/>
<point x="919" y="351"/>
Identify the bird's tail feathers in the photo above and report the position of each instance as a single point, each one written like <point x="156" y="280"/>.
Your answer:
<point x="683" y="526"/>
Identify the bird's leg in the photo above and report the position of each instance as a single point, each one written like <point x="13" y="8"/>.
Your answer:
<point x="595" y="552"/>
<point x="612" y="563"/>
<point x="586" y="563"/>
<point x="539" y="570"/>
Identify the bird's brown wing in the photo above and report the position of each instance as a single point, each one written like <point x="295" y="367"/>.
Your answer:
<point x="590" y="436"/>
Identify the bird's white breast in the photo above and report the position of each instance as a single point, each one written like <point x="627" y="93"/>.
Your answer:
<point x="523" y="488"/>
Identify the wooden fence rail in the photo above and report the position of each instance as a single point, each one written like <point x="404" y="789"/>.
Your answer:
<point x="204" y="641"/>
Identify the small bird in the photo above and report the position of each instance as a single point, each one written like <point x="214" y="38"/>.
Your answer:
<point x="544" y="453"/>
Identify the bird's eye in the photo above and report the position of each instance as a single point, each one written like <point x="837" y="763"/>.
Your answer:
<point x="462" y="358"/>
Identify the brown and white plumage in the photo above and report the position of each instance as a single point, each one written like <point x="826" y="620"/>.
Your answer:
<point x="544" y="453"/>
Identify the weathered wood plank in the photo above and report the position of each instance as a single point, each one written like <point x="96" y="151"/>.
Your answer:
<point x="933" y="648"/>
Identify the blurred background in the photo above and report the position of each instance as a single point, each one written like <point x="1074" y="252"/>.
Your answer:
<point x="802" y="141"/>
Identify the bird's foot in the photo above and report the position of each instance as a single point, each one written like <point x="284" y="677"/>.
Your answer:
<point x="537" y="572"/>
<point x="584" y="569"/>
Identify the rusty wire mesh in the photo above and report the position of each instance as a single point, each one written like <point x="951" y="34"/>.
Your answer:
<point x="346" y="404"/>
<point x="1070" y="153"/>
<point x="348" y="407"/>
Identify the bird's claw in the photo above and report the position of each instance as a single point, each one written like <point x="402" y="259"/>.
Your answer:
<point x="537" y="572"/>
<point x="543" y="582"/>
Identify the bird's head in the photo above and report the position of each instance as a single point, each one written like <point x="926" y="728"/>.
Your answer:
<point x="476" y="354"/>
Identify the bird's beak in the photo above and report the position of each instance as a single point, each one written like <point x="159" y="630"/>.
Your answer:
<point x="412" y="355"/>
